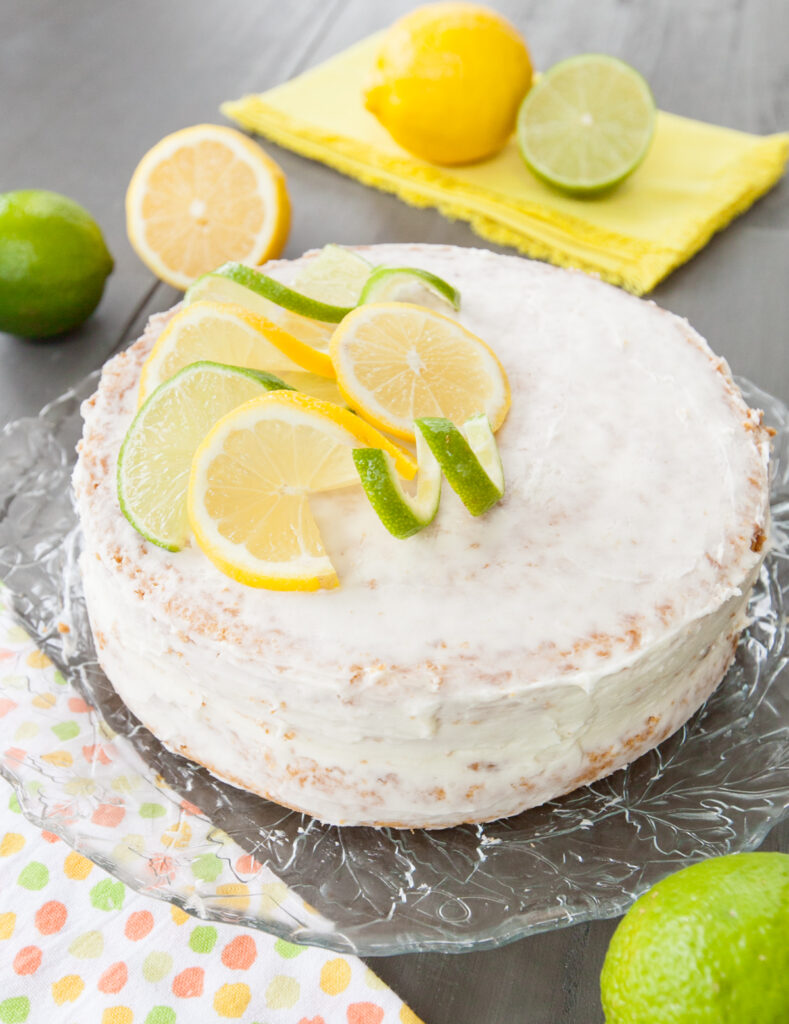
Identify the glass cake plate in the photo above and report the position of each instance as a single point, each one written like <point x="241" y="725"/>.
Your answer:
<point x="166" y="827"/>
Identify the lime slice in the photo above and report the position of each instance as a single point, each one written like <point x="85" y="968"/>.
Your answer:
<point x="267" y="288"/>
<point x="403" y="515"/>
<point x="156" y="455"/>
<point x="586" y="124"/>
<point x="408" y="284"/>
<point x="469" y="458"/>
<point x="335" y="276"/>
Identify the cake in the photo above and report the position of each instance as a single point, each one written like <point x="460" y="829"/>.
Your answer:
<point x="486" y="665"/>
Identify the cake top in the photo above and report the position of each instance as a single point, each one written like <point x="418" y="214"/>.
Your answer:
<point x="636" y="500"/>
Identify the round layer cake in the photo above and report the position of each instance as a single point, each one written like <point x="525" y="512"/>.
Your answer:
<point x="484" y="665"/>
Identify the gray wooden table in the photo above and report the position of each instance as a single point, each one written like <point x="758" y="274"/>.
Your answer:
<point x="87" y="86"/>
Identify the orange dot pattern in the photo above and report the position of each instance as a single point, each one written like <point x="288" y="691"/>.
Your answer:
<point x="77" y="944"/>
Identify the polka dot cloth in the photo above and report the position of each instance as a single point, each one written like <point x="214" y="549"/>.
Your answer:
<point x="77" y="945"/>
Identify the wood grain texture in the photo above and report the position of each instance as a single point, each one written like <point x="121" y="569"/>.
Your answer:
<point x="87" y="86"/>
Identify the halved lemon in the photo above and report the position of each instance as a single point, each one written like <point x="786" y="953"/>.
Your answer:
<point x="204" y="195"/>
<point x="237" y="336"/>
<point x="397" y="362"/>
<point x="251" y="480"/>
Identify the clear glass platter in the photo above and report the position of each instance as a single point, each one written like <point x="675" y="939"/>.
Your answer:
<point x="168" y="828"/>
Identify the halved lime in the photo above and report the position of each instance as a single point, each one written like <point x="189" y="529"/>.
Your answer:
<point x="409" y="284"/>
<point x="586" y="124"/>
<point x="265" y="287"/>
<point x="336" y="276"/>
<point x="402" y="514"/>
<point x="156" y="454"/>
<point x="469" y="458"/>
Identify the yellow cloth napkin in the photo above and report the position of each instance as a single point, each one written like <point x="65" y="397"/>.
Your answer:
<point x="696" y="178"/>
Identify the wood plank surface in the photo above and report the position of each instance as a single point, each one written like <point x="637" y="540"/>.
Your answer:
<point x="87" y="86"/>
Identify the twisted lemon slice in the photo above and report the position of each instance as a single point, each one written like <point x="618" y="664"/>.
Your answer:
<point x="251" y="481"/>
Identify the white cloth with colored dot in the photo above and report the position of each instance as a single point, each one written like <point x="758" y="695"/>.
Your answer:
<point x="77" y="946"/>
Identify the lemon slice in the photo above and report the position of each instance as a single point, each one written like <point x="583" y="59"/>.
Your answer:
<point x="306" y="319"/>
<point x="251" y="480"/>
<point x="156" y="454"/>
<point x="409" y="284"/>
<point x="336" y="275"/>
<point x="396" y="362"/>
<point x="586" y="124"/>
<point x="402" y="514"/>
<point x="204" y="195"/>
<point x="469" y="458"/>
<point x="232" y="335"/>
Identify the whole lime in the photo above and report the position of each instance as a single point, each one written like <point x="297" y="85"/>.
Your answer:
<point x="707" y="945"/>
<point x="53" y="263"/>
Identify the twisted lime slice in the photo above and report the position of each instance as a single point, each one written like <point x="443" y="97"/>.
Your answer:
<point x="263" y="287"/>
<point x="468" y="457"/>
<point x="336" y="276"/>
<point x="586" y="124"/>
<point x="156" y="455"/>
<point x="409" y="284"/>
<point x="402" y="514"/>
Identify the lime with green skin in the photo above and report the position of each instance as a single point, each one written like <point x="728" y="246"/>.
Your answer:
<point x="707" y="945"/>
<point x="53" y="263"/>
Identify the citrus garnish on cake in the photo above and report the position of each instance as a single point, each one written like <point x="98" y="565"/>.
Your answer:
<point x="233" y="334"/>
<point x="252" y="478"/>
<point x="486" y="664"/>
<point x="156" y="455"/>
<point x="396" y="362"/>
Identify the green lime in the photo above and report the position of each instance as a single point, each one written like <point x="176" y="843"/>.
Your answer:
<point x="218" y="286"/>
<point x="469" y="458"/>
<point x="707" y="945"/>
<point x="156" y="454"/>
<point x="408" y="284"/>
<point x="402" y="514"/>
<point x="53" y="263"/>
<point x="586" y="124"/>
<point x="336" y="275"/>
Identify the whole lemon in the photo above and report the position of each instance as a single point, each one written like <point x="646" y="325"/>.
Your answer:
<point x="707" y="945"/>
<point x="448" y="82"/>
<point x="53" y="263"/>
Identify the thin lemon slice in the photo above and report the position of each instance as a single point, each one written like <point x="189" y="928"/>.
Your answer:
<point x="409" y="284"/>
<point x="402" y="514"/>
<point x="469" y="458"/>
<point x="310" y="321"/>
<point x="226" y="334"/>
<point x="156" y="455"/>
<point x="336" y="275"/>
<point x="586" y="124"/>
<point x="204" y="195"/>
<point x="251" y="480"/>
<point x="396" y="362"/>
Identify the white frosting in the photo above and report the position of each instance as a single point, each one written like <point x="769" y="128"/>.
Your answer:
<point x="487" y="664"/>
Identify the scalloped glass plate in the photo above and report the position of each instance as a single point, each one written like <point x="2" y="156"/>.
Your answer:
<point x="168" y="828"/>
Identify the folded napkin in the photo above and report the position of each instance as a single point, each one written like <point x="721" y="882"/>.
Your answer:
<point x="78" y="944"/>
<point x="695" y="179"/>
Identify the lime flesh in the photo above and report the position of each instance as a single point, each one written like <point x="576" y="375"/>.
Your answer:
<point x="586" y="124"/>
<point x="53" y="263"/>
<point x="336" y="276"/>
<point x="156" y="456"/>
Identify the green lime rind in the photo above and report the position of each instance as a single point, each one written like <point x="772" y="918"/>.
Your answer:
<point x="586" y="124"/>
<point x="401" y="514"/>
<point x="384" y="282"/>
<point x="154" y="462"/>
<point x="335" y="276"/>
<point x="469" y="459"/>
<point x="274" y="291"/>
